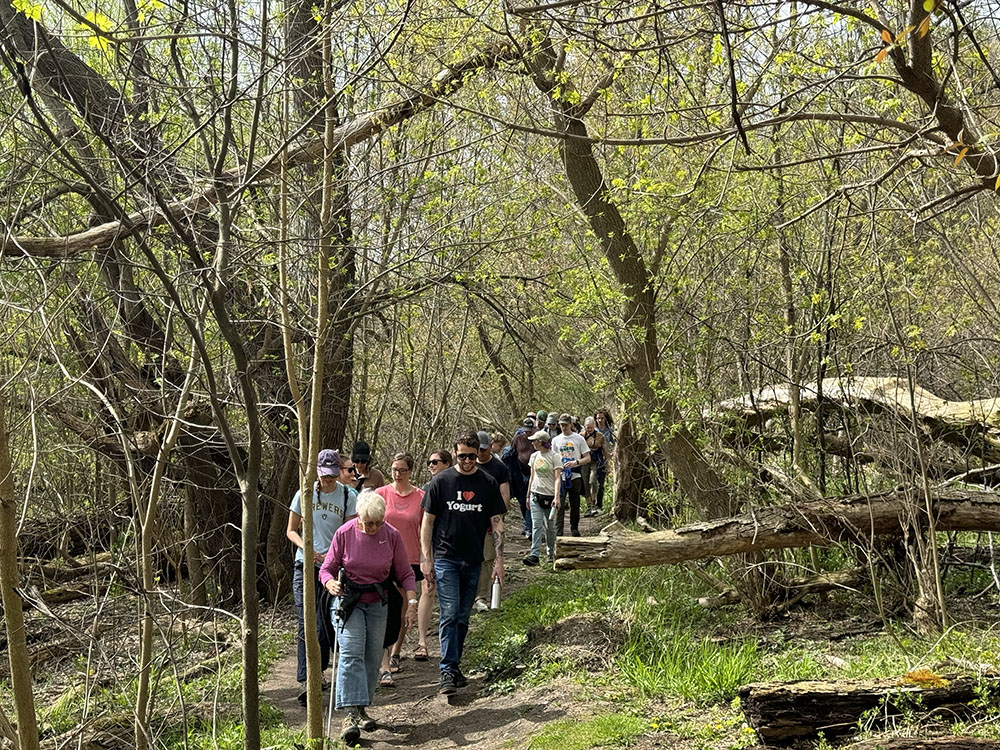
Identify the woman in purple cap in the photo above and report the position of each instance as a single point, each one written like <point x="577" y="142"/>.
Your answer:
<point x="333" y="503"/>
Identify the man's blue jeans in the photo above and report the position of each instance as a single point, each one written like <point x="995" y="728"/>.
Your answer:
<point x="456" y="589"/>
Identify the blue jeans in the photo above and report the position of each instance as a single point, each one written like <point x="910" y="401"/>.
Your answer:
<point x="324" y="647"/>
<point x="543" y="526"/>
<point x="360" y="643"/>
<point x="525" y="507"/>
<point x="456" y="589"/>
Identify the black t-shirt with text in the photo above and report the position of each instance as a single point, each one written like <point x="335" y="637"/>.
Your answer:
<point x="462" y="505"/>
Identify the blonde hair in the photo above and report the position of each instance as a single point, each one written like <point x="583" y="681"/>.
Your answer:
<point x="370" y="506"/>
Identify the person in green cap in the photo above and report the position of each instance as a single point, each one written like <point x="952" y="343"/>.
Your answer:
<point x="542" y="415"/>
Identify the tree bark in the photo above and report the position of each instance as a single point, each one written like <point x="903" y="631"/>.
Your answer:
<point x="853" y="519"/>
<point x="17" y="646"/>
<point x="926" y="743"/>
<point x="698" y="480"/>
<point x="786" y="712"/>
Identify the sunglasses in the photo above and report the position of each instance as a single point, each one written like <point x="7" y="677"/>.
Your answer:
<point x="466" y="456"/>
<point x="434" y="461"/>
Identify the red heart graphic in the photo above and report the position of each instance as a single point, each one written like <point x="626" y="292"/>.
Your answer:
<point x="468" y="495"/>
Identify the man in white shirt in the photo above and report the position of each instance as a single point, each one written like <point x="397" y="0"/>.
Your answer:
<point x="572" y="448"/>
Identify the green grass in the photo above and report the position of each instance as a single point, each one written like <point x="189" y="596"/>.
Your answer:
<point x="699" y="671"/>
<point x="496" y="641"/>
<point x="610" y="730"/>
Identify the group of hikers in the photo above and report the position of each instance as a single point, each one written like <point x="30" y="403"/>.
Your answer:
<point x="374" y="541"/>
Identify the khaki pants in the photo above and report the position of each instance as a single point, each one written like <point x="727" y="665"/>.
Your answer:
<point x="486" y="572"/>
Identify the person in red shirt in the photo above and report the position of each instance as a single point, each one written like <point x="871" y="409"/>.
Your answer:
<point x="404" y="513"/>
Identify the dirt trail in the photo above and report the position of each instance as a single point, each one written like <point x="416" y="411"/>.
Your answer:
<point x="413" y="714"/>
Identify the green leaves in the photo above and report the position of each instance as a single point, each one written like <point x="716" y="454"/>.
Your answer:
<point x="99" y="24"/>
<point x="28" y="8"/>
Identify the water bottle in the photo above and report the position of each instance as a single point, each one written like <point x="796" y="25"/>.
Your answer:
<point x="495" y="594"/>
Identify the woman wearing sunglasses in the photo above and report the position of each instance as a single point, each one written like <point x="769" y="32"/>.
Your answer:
<point x="403" y="513"/>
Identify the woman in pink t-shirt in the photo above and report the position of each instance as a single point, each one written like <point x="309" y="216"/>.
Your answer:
<point x="404" y="512"/>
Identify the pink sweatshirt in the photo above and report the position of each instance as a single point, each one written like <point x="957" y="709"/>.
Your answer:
<point x="367" y="558"/>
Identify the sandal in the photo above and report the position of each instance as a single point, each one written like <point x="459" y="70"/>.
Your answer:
<point x="394" y="664"/>
<point x="386" y="680"/>
<point x="420" y="653"/>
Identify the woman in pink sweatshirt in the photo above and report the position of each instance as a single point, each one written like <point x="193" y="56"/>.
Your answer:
<point x="364" y="556"/>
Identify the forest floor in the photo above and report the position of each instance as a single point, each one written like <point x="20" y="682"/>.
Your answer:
<point x="413" y="715"/>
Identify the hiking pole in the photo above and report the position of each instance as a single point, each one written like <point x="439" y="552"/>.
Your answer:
<point x="333" y="665"/>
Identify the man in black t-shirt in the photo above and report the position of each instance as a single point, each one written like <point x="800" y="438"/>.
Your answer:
<point x="460" y="503"/>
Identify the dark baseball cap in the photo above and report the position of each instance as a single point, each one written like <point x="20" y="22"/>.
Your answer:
<point x="361" y="453"/>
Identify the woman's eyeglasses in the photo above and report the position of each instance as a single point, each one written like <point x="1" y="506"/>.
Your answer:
<point x="434" y="461"/>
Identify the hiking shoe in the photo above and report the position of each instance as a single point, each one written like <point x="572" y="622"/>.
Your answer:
<point x="461" y="680"/>
<point x="448" y="685"/>
<point x="303" y="697"/>
<point x="368" y="724"/>
<point x="481" y="605"/>
<point x="530" y="560"/>
<point x="350" y="727"/>
<point x="574" y="532"/>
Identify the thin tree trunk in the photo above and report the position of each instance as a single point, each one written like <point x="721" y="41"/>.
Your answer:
<point x="17" y="647"/>
<point x="197" y="595"/>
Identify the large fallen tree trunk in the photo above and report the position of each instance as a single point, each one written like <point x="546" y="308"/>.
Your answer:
<point x="972" y="425"/>
<point x="851" y="519"/>
<point x="786" y="712"/>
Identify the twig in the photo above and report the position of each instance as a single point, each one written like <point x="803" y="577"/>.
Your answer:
<point x="733" y="93"/>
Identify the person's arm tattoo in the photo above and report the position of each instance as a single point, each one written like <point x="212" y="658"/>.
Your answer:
<point x="497" y="522"/>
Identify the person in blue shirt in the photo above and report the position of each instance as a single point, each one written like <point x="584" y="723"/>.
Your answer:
<point x="333" y="504"/>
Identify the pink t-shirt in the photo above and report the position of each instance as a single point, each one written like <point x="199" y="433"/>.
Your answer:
<point x="367" y="558"/>
<point x="405" y="514"/>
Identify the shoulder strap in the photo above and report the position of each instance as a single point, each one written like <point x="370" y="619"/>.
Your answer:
<point x="343" y="516"/>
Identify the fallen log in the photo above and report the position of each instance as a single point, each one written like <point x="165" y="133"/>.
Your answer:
<point x="100" y="567"/>
<point x="973" y="424"/>
<point x="791" y="591"/>
<point x="855" y="519"/>
<point x="786" y="712"/>
<point x="926" y="743"/>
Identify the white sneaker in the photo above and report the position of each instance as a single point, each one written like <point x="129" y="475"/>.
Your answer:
<point x="481" y="605"/>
